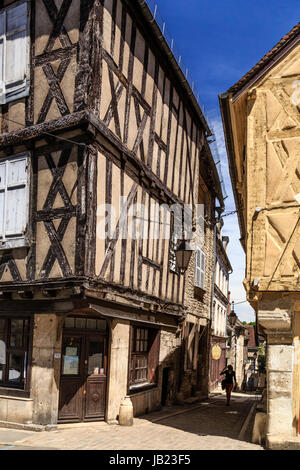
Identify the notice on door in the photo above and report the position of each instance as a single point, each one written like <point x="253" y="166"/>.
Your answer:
<point x="71" y="365"/>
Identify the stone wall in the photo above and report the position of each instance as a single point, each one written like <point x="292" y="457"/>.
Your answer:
<point x="45" y="372"/>
<point x="198" y="302"/>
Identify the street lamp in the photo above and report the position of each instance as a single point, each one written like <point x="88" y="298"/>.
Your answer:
<point x="232" y="317"/>
<point x="183" y="255"/>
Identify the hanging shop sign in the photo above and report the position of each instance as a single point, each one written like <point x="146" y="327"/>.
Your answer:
<point x="216" y="352"/>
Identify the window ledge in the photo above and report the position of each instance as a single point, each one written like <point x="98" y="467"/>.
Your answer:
<point x="199" y="292"/>
<point x="135" y="389"/>
<point x="13" y="244"/>
<point x="6" y="392"/>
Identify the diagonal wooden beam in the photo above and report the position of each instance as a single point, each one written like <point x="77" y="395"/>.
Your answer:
<point x="119" y="228"/>
<point x="114" y="104"/>
<point x="50" y="96"/>
<point x="9" y="261"/>
<point x="54" y="92"/>
<point x="57" y="18"/>
<point x="56" y="250"/>
<point x="57" y="184"/>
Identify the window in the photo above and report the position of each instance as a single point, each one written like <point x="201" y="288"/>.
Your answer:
<point x="14" y="199"/>
<point x="174" y="238"/>
<point x="144" y="356"/>
<point x="190" y="344"/>
<point x="200" y="268"/>
<point x="14" y="338"/>
<point x="14" y="52"/>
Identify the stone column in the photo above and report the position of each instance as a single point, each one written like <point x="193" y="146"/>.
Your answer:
<point x="279" y="385"/>
<point x="45" y="372"/>
<point x="277" y="324"/>
<point x="118" y="368"/>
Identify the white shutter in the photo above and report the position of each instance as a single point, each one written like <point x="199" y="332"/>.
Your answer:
<point x="202" y="281"/>
<point x="200" y="268"/>
<point x="2" y="196"/>
<point x="16" y="48"/>
<point x="2" y="41"/>
<point x="16" y="200"/>
<point x="197" y="267"/>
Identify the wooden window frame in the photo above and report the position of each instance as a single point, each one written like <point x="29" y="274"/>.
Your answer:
<point x="26" y="349"/>
<point x="21" y="89"/>
<point x="151" y="355"/>
<point x="17" y="240"/>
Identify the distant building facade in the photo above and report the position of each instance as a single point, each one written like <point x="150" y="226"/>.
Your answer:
<point x="218" y="331"/>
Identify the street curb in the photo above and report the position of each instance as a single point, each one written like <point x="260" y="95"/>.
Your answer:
<point x="244" y="428"/>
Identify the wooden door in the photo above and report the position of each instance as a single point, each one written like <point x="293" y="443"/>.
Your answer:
<point x="95" y="384"/>
<point x="83" y="378"/>
<point x="72" y="378"/>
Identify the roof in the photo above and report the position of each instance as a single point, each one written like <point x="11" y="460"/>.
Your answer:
<point x="268" y="59"/>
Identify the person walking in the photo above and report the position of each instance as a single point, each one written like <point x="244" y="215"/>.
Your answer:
<point x="229" y="377"/>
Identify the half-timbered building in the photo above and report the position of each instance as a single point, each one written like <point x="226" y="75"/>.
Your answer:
<point x="99" y="130"/>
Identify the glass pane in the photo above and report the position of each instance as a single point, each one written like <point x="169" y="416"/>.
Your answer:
<point x="81" y="323"/>
<point x="1" y="371"/>
<point x="96" y="357"/>
<point x="70" y="322"/>
<point x="92" y="324"/>
<point x="16" y="333"/>
<point x="2" y="345"/>
<point x="15" y="367"/>
<point x="71" y="356"/>
<point x="101" y="324"/>
<point x="16" y="17"/>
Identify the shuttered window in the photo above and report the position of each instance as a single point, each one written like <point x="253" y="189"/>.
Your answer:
<point x="200" y="262"/>
<point x="143" y="357"/>
<point x="14" y="52"/>
<point x="14" y="196"/>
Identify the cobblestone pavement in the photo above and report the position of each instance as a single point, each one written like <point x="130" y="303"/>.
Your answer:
<point x="210" y="425"/>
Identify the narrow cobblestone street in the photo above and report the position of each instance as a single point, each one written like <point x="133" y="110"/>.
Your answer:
<point x="209" y="425"/>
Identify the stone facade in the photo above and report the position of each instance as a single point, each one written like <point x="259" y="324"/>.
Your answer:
<point x="195" y="368"/>
<point x="218" y="330"/>
<point x="236" y="353"/>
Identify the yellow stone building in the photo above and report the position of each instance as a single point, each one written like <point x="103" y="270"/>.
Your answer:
<point x="262" y="131"/>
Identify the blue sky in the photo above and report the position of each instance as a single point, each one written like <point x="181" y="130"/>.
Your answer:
<point x="220" y="41"/>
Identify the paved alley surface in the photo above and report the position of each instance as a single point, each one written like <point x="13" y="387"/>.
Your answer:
<point x="209" y="425"/>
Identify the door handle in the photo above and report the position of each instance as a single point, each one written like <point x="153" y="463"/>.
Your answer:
<point x="85" y="362"/>
<point x="84" y="392"/>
